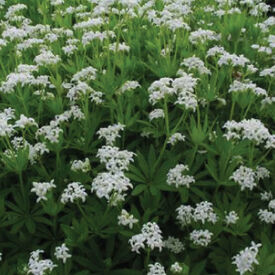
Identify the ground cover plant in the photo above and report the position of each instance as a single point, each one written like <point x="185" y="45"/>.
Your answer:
<point x="137" y="137"/>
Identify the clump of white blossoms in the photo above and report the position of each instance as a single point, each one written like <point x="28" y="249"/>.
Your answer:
<point x="203" y="212"/>
<point x="247" y="177"/>
<point x="114" y="159"/>
<point x="174" y="245"/>
<point x="195" y="63"/>
<point x="62" y="253"/>
<point x="233" y="60"/>
<point x="251" y="129"/>
<point x="126" y="219"/>
<point x="268" y="215"/>
<point x="177" y="177"/>
<point x="24" y="121"/>
<point x="150" y="235"/>
<point x="156" y="113"/>
<point x="176" y="268"/>
<point x="185" y="214"/>
<point x="127" y="86"/>
<point x="107" y="183"/>
<point x="182" y="87"/>
<point x="247" y="258"/>
<point x="114" y="182"/>
<point x="175" y="138"/>
<point x="238" y="86"/>
<point x="201" y="237"/>
<point x="202" y="36"/>
<point x="119" y="47"/>
<point x="86" y="74"/>
<point x="41" y="189"/>
<point x="36" y="266"/>
<point x="266" y="196"/>
<point x="6" y="129"/>
<point x="156" y="269"/>
<point x="74" y="191"/>
<point x="231" y="218"/>
<point x="110" y="133"/>
<point x="46" y="57"/>
<point x="79" y="165"/>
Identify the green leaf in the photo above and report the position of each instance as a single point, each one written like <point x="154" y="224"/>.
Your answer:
<point x="139" y="189"/>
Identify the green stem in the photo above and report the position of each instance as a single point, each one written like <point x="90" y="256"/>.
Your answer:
<point x="166" y="118"/>
<point x="251" y="153"/>
<point x="161" y="153"/>
<point x="246" y="111"/>
<point x="263" y="157"/>
<point x="147" y="259"/>
<point x="232" y="110"/>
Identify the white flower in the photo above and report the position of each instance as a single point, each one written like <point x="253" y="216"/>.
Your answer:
<point x="271" y="205"/>
<point x="195" y="63"/>
<point x="127" y="86"/>
<point x="261" y="173"/>
<point x="156" y="113"/>
<point x="120" y="47"/>
<point x="114" y="159"/>
<point x="176" y="268"/>
<point x="202" y="36"/>
<point x="231" y="218"/>
<point x="266" y="196"/>
<point x="37" y="266"/>
<point x="268" y="72"/>
<point x="251" y="129"/>
<point x="238" y="86"/>
<point x="6" y="129"/>
<point x="61" y="252"/>
<point x="245" y="177"/>
<point x="174" y="245"/>
<point x="41" y="189"/>
<point x="159" y="89"/>
<point x="185" y="214"/>
<point x="266" y="216"/>
<point x="246" y="258"/>
<point x="25" y="121"/>
<point x="201" y="237"/>
<point x="79" y="165"/>
<point x="110" y="133"/>
<point x="46" y="57"/>
<point x="72" y="192"/>
<point x="150" y="235"/>
<point x="177" y="177"/>
<point x="176" y="138"/>
<point x="204" y="212"/>
<point x="156" y="269"/>
<point x="126" y="219"/>
<point x="86" y="74"/>
<point x="107" y="183"/>
<point x="233" y="60"/>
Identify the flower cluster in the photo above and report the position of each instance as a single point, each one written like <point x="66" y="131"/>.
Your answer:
<point x="36" y="266"/>
<point x="177" y="177"/>
<point x="248" y="178"/>
<point x="41" y="189"/>
<point x="74" y="191"/>
<point x="247" y="258"/>
<point x="203" y="212"/>
<point x="150" y="235"/>
<point x="126" y="219"/>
